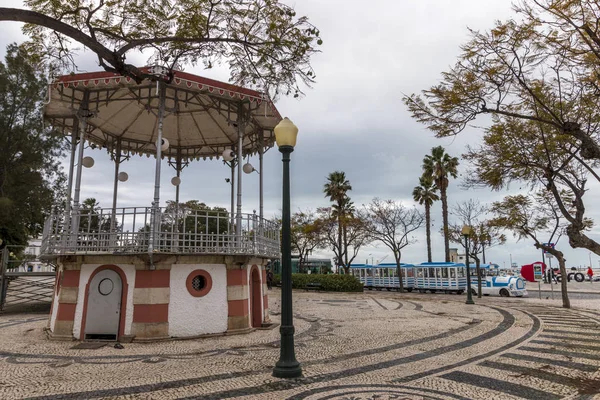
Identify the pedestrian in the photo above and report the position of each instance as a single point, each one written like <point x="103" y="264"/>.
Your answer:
<point x="269" y="278"/>
<point x="590" y="273"/>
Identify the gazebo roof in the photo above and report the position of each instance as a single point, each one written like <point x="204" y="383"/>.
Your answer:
<point x="200" y="120"/>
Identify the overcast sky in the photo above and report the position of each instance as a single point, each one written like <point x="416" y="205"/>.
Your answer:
<point x="352" y="120"/>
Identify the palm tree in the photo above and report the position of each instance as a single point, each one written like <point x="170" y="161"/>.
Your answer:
<point x="336" y="189"/>
<point x="426" y="194"/>
<point x="438" y="166"/>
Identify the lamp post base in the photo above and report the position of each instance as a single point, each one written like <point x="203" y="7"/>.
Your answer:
<point x="469" y="301"/>
<point x="287" y="369"/>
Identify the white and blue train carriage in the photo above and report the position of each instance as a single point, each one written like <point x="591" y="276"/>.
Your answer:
<point x="384" y="276"/>
<point x="447" y="277"/>
<point x="504" y="286"/>
<point x="484" y="270"/>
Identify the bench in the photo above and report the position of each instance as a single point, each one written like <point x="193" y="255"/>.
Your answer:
<point x="313" y="286"/>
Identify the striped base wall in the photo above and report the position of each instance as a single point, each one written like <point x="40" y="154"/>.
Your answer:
<point x="151" y="304"/>
<point x="67" y="301"/>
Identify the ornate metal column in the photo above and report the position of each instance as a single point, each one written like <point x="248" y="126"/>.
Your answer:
<point x="155" y="211"/>
<point x="240" y="155"/>
<point x="82" y="115"/>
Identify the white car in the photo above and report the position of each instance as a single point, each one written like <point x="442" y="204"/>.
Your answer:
<point x="504" y="286"/>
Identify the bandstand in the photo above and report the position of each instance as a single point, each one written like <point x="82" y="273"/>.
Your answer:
<point x="152" y="272"/>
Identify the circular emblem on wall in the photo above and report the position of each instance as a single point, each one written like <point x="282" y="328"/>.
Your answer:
<point x="198" y="283"/>
<point x="106" y="286"/>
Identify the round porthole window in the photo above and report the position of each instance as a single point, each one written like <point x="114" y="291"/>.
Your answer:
<point x="106" y="286"/>
<point x="199" y="283"/>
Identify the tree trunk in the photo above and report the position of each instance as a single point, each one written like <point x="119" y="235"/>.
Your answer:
<point x="428" y="230"/>
<point x="340" y="255"/>
<point x="478" y="271"/>
<point x="444" y="199"/>
<point x="563" y="282"/>
<point x="401" y="283"/>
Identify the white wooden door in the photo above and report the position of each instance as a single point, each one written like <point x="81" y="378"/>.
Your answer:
<point x="104" y="305"/>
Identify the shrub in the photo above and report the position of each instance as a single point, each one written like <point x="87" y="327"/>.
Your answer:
<point x="329" y="282"/>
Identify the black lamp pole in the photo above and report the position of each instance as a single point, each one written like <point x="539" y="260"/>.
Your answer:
<point x="469" y="297"/>
<point x="287" y="366"/>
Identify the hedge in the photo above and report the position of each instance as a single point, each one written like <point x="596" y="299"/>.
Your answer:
<point x="329" y="282"/>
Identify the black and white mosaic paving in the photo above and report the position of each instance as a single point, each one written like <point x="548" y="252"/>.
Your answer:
<point x="375" y="345"/>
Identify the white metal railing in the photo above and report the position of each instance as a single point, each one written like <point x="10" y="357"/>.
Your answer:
<point x="182" y="231"/>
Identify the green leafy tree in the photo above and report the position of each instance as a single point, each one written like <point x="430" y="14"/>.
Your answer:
<point x="306" y="235"/>
<point x="92" y="219"/>
<point x="541" y="158"/>
<point x="190" y="224"/>
<point x="533" y="217"/>
<point x="392" y="224"/>
<point x="439" y="166"/>
<point x="337" y="188"/>
<point x="483" y="233"/>
<point x="31" y="179"/>
<point x="425" y="194"/>
<point x="262" y="41"/>
<point x="536" y="75"/>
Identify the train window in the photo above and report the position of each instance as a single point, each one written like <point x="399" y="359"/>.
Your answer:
<point x="419" y="272"/>
<point x="438" y="273"/>
<point x="445" y="273"/>
<point x="410" y="273"/>
<point x="370" y="272"/>
<point x="460" y="272"/>
<point x="452" y="272"/>
<point x="432" y="272"/>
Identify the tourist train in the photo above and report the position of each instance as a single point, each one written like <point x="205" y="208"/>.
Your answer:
<point x="445" y="277"/>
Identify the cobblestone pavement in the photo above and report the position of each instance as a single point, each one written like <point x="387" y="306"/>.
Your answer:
<point x="372" y="345"/>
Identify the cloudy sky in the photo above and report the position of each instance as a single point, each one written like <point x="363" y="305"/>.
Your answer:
<point x="352" y="120"/>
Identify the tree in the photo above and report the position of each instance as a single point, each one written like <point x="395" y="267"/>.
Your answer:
<point x="306" y="235"/>
<point x="191" y="224"/>
<point x="31" y="179"/>
<point x="426" y="194"/>
<point x="538" y="71"/>
<point x="355" y="235"/>
<point x="336" y="189"/>
<point x="438" y="166"/>
<point x="390" y="223"/>
<point x="263" y="41"/>
<point x="483" y="234"/>
<point x="532" y="217"/>
<point x="91" y="218"/>
<point x="542" y="158"/>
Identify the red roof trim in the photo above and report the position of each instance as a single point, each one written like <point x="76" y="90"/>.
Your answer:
<point x="179" y="77"/>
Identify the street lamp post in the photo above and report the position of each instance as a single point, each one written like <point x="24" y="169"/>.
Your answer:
<point x="287" y="366"/>
<point x="466" y="231"/>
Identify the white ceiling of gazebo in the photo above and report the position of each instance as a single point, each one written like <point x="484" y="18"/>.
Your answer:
<point x="200" y="117"/>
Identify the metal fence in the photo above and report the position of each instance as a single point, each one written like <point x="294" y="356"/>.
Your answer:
<point x="26" y="283"/>
<point x="136" y="230"/>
